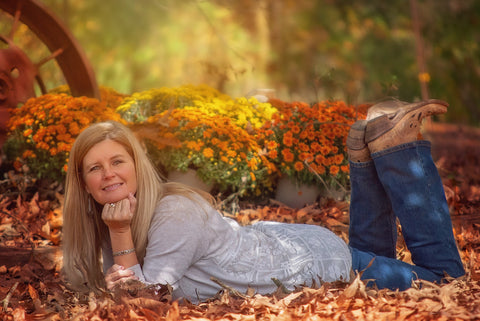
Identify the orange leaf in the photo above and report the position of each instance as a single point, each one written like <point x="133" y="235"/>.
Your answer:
<point x="32" y="292"/>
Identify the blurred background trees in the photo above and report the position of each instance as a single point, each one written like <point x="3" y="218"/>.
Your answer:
<point x="309" y="50"/>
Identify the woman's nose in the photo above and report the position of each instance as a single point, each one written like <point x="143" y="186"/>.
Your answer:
<point x="108" y="172"/>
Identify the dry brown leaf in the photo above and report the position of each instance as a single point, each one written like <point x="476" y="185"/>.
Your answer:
<point x="173" y="313"/>
<point x="33" y="293"/>
<point x="285" y="302"/>
<point x="19" y="314"/>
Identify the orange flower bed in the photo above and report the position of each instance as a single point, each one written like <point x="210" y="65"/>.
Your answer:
<point x="306" y="141"/>
<point x="222" y="152"/>
<point x="43" y="130"/>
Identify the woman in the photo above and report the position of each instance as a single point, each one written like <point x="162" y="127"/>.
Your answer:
<point x="118" y="211"/>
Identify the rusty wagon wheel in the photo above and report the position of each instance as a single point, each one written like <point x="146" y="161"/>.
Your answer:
<point x="19" y="75"/>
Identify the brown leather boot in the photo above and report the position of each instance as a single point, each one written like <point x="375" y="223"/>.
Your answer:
<point x="401" y="125"/>
<point x="384" y="108"/>
<point x="357" y="149"/>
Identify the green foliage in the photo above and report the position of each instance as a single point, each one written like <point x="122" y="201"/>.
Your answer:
<point x="356" y="51"/>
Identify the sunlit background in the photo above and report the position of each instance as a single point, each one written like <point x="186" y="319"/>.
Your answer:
<point x="309" y="50"/>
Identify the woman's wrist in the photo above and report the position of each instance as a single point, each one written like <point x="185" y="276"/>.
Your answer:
<point x="120" y="232"/>
<point x="124" y="252"/>
<point x="122" y="243"/>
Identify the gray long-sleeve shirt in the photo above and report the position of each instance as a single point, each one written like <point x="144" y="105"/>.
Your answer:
<point x="189" y="242"/>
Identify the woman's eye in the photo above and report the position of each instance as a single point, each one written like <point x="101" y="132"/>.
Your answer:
<point x="94" y="168"/>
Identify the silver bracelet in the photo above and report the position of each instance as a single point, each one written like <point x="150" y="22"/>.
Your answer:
<point x="124" y="252"/>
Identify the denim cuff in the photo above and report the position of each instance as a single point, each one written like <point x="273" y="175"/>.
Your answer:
<point x="361" y="164"/>
<point x="414" y="144"/>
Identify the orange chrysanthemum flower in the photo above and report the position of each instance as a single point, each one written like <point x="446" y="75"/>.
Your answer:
<point x="287" y="141"/>
<point x="208" y="152"/>
<point x="288" y="155"/>
<point x="298" y="166"/>
<point x="334" y="170"/>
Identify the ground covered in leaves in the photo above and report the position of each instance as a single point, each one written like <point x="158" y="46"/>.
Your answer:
<point x="31" y="286"/>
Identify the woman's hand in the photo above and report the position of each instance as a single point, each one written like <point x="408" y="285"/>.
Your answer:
<point x="118" y="216"/>
<point x="118" y="274"/>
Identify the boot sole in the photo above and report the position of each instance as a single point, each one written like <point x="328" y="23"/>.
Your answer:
<point x="382" y="124"/>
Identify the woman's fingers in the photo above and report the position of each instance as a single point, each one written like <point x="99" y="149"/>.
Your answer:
<point x="120" y="210"/>
<point x="118" y="274"/>
<point x="119" y="214"/>
<point x="133" y="203"/>
<point x="113" y="283"/>
<point x="115" y="268"/>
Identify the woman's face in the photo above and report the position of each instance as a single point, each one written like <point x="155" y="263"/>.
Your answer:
<point x="109" y="172"/>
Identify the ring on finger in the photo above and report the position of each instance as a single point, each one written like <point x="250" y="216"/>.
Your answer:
<point x="112" y="205"/>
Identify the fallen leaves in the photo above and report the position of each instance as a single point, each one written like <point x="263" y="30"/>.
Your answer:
<point x="36" y="291"/>
<point x="328" y="213"/>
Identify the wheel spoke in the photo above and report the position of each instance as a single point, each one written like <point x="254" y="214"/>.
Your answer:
<point x="16" y="19"/>
<point x="41" y="84"/>
<point x="54" y="55"/>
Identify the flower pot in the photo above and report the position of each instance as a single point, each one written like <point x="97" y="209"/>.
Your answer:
<point x="189" y="178"/>
<point x="295" y="195"/>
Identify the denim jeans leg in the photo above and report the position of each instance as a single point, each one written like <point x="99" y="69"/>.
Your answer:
<point x="385" y="272"/>
<point x="372" y="222"/>
<point x="415" y="189"/>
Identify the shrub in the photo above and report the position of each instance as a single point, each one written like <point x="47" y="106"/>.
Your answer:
<point x="43" y="130"/>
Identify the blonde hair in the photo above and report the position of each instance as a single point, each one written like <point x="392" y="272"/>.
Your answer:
<point x="84" y="232"/>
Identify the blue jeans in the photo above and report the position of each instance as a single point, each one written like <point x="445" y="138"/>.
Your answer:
<point x="401" y="182"/>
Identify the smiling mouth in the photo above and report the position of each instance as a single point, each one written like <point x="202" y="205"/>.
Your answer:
<point x="112" y="187"/>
